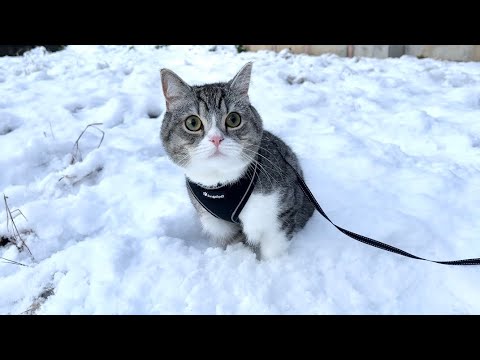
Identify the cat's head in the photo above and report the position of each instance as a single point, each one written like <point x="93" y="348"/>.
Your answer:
<point x="211" y="131"/>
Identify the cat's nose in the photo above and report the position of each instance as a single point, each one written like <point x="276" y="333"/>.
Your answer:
<point x="216" y="139"/>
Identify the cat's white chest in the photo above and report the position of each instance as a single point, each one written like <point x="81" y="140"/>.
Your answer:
<point x="211" y="173"/>
<point x="260" y="213"/>
<point x="261" y="224"/>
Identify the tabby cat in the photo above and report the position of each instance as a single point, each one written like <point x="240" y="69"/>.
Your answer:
<point x="216" y="136"/>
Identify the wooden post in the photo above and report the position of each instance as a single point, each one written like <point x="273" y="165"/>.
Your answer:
<point x="350" y="50"/>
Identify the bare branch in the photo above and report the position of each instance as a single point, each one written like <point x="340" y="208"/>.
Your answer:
<point x="76" y="154"/>
<point x="19" y="242"/>
<point x="51" y="131"/>
<point x="8" y="261"/>
<point x="21" y="213"/>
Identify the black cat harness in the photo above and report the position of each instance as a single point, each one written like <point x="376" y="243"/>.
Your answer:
<point x="226" y="201"/>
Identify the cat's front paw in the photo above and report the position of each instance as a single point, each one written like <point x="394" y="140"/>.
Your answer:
<point x="273" y="249"/>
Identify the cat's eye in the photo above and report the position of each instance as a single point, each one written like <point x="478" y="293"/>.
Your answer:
<point x="233" y="120"/>
<point x="193" y="123"/>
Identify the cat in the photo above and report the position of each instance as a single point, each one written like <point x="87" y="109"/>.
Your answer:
<point x="215" y="135"/>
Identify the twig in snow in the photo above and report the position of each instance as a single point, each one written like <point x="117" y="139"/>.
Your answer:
<point x="19" y="242"/>
<point x="8" y="261"/>
<point x="20" y="211"/>
<point x="51" y="131"/>
<point x="76" y="154"/>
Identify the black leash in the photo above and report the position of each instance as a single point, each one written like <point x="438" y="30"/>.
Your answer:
<point x="367" y="240"/>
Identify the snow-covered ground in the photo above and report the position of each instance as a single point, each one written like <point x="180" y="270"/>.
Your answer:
<point x="390" y="148"/>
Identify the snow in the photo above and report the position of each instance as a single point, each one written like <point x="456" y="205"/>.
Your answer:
<point x="390" y="148"/>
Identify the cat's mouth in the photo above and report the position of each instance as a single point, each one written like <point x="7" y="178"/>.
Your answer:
<point x="216" y="154"/>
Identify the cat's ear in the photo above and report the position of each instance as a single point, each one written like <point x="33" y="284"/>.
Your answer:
<point x="174" y="88"/>
<point x="241" y="82"/>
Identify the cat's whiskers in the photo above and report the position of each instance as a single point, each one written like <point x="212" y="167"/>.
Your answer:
<point x="227" y="150"/>
<point x="250" y="173"/>
<point x="264" y="149"/>
<point x="182" y="161"/>
<point x="279" y="171"/>
<point x="261" y="168"/>
<point x="202" y="154"/>
<point x="260" y="148"/>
